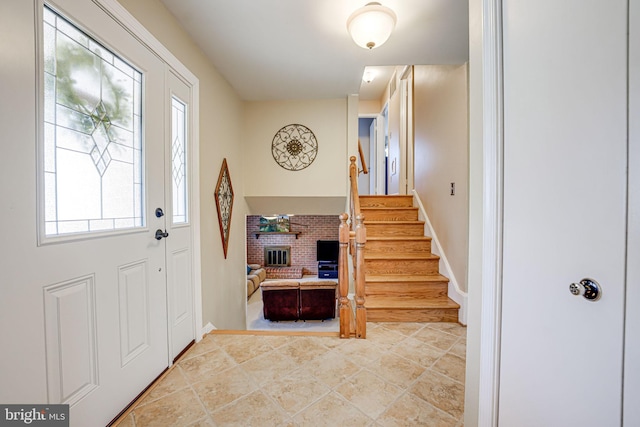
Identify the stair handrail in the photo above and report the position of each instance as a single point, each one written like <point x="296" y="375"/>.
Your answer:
<point x="363" y="162"/>
<point x="355" y="200"/>
<point x="352" y="240"/>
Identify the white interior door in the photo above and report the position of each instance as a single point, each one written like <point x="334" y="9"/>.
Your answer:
<point x="565" y="162"/>
<point x="85" y="312"/>
<point x="394" y="158"/>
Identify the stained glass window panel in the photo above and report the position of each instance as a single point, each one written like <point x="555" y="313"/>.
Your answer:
<point x="179" y="160"/>
<point x="92" y="148"/>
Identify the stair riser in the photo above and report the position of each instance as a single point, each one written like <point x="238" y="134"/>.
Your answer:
<point x="392" y="230"/>
<point x="408" y="315"/>
<point x="385" y="201"/>
<point x="408" y="214"/>
<point x="411" y="246"/>
<point x="403" y="266"/>
<point x="406" y="290"/>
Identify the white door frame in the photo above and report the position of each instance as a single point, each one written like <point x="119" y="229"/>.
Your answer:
<point x="631" y="411"/>
<point x="121" y="15"/>
<point x="406" y="161"/>
<point x="492" y="239"/>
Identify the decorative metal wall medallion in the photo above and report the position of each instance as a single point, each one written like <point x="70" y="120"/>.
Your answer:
<point x="294" y="147"/>
<point x="224" y="202"/>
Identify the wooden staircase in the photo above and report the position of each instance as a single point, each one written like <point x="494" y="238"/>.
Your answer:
<point x="402" y="279"/>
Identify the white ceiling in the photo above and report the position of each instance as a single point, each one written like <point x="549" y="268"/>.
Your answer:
<point x="300" y="49"/>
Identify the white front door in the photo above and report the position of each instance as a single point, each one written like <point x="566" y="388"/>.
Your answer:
<point x="84" y="308"/>
<point x="565" y="193"/>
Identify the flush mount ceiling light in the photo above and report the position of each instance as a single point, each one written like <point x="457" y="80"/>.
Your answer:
<point x="368" y="76"/>
<point x="371" y="25"/>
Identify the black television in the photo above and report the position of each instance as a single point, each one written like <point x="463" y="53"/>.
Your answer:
<point x="327" y="250"/>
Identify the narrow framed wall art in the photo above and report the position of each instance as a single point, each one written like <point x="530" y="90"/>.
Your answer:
<point x="224" y="203"/>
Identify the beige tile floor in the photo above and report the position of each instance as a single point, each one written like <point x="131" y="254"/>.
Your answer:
<point x="403" y="374"/>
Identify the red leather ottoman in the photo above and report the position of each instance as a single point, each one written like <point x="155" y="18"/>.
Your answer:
<point x="318" y="300"/>
<point x="280" y="299"/>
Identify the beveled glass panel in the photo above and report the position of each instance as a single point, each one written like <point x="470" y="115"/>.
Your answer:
<point x="101" y="52"/>
<point x="71" y="31"/>
<point x="50" y="190"/>
<point x="124" y="67"/>
<point x="49" y="148"/>
<point x="92" y="147"/>
<point x="48" y="16"/>
<point x="49" y="44"/>
<point x="117" y="96"/>
<point x="179" y="160"/>
<point x="78" y="75"/>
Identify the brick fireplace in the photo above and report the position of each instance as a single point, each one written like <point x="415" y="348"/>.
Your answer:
<point x="302" y="248"/>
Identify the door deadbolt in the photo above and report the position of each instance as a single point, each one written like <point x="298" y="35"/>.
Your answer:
<point x="588" y="288"/>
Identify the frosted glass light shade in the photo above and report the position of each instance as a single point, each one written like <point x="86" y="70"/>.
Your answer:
<point x="371" y="25"/>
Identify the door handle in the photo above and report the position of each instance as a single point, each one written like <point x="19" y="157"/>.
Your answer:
<point x="588" y="288"/>
<point x="160" y="234"/>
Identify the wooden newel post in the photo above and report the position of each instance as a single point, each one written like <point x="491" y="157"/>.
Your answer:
<point x="343" y="278"/>
<point x="361" y="313"/>
<point x="353" y="166"/>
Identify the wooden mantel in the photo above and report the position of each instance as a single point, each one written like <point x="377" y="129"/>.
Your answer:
<point x="259" y="233"/>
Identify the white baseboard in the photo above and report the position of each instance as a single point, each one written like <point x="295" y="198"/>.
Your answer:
<point x="205" y="330"/>
<point x="454" y="292"/>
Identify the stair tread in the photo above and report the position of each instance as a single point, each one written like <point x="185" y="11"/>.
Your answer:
<point x="375" y="278"/>
<point x="394" y="238"/>
<point x="400" y="255"/>
<point x="385" y="196"/>
<point x="387" y="222"/>
<point x="388" y="208"/>
<point x="409" y="303"/>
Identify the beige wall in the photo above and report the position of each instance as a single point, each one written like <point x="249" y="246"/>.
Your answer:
<point x="442" y="157"/>
<point x="269" y="188"/>
<point x="223" y="280"/>
<point x="369" y="107"/>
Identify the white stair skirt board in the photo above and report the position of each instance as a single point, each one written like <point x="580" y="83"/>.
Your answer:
<point x="454" y="292"/>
